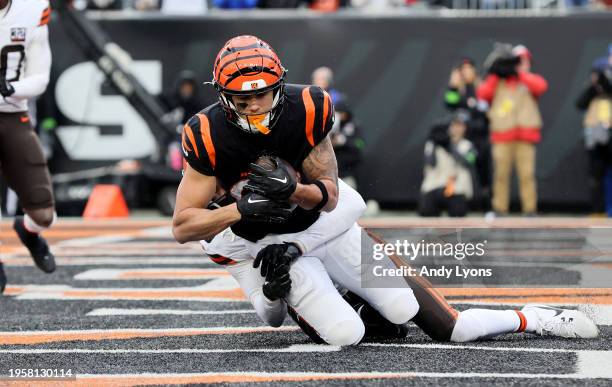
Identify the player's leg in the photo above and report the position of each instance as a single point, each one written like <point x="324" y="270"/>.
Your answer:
<point x="25" y="169"/>
<point x="2" y="278"/>
<point x="228" y="250"/>
<point x="2" y="275"/>
<point x="313" y="301"/>
<point x="525" y="160"/>
<point x="442" y="322"/>
<point x="342" y="260"/>
<point x="317" y="302"/>
<point x="478" y="324"/>
<point x="272" y="313"/>
<point x="502" y="171"/>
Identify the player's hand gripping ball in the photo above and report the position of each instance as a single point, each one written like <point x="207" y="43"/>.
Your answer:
<point x="273" y="178"/>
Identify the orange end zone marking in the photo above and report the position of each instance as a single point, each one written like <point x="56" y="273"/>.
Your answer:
<point x="234" y="294"/>
<point x="147" y="379"/>
<point x="172" y="274"/>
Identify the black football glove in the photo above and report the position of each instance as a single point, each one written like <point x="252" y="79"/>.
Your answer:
<point x="6" y="89"/>
<point x="257" y="208"/>
<point x="277" y="284"/>
<point x="274" y="256"/>
<point x="278" y="184"/>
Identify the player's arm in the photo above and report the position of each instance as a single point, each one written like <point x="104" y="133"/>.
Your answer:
<point x="321" y="165"/>
<point x="37" y="67"/>
<point x="348" y="211"/>
<point x="192" y="222"/>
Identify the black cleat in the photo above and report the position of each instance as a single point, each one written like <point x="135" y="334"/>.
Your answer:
<point x="2" y="278"/>
<point x="37" y="245"/>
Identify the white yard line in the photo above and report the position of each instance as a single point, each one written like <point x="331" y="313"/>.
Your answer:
<point x="596" y="364"/>
<point x="154" y="312"/>
<point x="162" y="273"/>
<point x="94" y="240"/>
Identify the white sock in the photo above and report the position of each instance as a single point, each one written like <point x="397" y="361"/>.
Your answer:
<point x="474" y="324"/>
<point x="33" y="227"/>
<point x="532" y="318"/>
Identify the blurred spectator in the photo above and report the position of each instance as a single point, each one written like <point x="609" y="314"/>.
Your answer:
<point x="184" y="100"/>
<point x="235" y="4"/>
<point x="146" y="5"/>
<point x="596" y="100"/>
<point x="110" y="5"/>
<point x="345" y="139"/>
<point x="279" y="3"/>
<point x="192" y="7"/>
<point x="515" y="121"/>
<point x="447" y="175"/>
<point x="347" y="143"/>
<point x="326" y="5"/>
<point x="461" y="94"/>
<point x="324" y="78"/>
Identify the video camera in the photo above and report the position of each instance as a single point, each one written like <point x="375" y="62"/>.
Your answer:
<point x="501" y="61"/>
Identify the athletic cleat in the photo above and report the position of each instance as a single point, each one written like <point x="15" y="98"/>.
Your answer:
<point x="2" y="278"/>
<point x="37" y="245"/>
<point x="562" y="322"/>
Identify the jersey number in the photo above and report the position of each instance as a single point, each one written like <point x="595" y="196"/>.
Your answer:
<point x="4" y="56"/>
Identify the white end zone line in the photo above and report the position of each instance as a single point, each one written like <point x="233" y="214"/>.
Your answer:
<point x="601" y="314"/>
<point x="165" y="273"/>
<point x="154" y="312"/>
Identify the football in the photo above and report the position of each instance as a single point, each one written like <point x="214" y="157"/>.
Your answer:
<point x="270" y="163"/>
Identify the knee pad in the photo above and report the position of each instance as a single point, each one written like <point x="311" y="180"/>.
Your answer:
<point x="347" y="332"/>
<point x="401" y="308"/>
<point x="306" y="275"/>
<point x="467" y="328"/>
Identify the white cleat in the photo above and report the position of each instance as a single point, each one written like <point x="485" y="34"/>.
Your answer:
<point x="562" y="322"/>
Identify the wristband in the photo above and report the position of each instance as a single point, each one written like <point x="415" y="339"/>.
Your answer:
<point x="325" y="198"/>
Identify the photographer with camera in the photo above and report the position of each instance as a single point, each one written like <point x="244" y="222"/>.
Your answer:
<point x="596" y="101"/>
<point x="449" y="168"/>
<point x="511" y="90"/>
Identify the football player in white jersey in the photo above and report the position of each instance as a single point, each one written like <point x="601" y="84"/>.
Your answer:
<point x="25" y="62"/>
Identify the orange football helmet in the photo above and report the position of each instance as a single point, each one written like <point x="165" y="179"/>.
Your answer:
<point x="247" y="65"/>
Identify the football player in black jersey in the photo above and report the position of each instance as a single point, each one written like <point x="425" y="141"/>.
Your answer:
<point x="257" y="114"/>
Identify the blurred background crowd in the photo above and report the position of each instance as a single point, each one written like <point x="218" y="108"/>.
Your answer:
<point x="201" y="6"/>
<point x="486" y="128"/>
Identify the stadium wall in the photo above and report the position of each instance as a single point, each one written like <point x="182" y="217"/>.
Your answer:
<point x="394" y="70"/>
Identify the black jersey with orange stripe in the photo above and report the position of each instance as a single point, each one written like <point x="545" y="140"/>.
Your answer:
<point x="215" y="147"/>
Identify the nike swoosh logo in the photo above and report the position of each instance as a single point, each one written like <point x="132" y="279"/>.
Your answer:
<point x="251" y="201"/>
<point x="284" y="181"/>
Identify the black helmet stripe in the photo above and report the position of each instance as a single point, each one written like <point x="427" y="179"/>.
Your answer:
<point x="232" y="50"/>
<point x="244" y="57"/>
